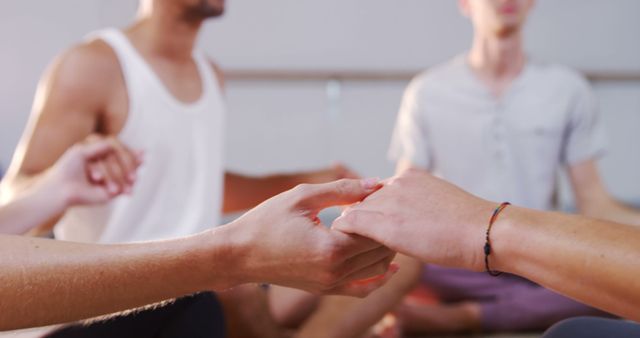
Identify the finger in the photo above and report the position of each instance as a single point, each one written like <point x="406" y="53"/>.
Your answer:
<point x="118" y="173"/>
<point x="341" y="192"/>
<point x="367" y="259"/>
<point x="109" y="181"/>
<point x="352" y="245"/>
<point x="96" y="150"/>
<point x="363" y="290"/>
<point x="127" y="159"/>
<point x="367" y="223"/>
<point x="94" y="173"/>
<point x="370" y="273"/>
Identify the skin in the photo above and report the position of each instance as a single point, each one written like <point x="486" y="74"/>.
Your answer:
<point x="436" y="222"/>
<point x="39" y="277"/>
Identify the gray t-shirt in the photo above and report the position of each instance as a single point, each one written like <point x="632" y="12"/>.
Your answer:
<point x="507" y="149"/>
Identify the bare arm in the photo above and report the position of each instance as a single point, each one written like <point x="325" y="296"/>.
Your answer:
<point x="593" y="261"/>
<point x="594" y="200"/>
<point x="66" y="110"/>
<point x="44" y="282"/>
<point x="65" y="184"/>
<point x="596" y="262"/>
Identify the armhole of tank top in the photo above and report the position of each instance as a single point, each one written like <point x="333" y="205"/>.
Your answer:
<point x="114" y="40"/>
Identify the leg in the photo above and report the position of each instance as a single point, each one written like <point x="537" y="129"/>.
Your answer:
<point x="247" y="314"/>
<point x="593" y="328"/>
<point x="460" y="292"/>
<point x="291" y="307"/>
<point x="441" y="318"/>
<point x="530" y="307"/>
<point x="195" y="316"/>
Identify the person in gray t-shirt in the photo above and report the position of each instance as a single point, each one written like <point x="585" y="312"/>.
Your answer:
<point x="499" y="125"/>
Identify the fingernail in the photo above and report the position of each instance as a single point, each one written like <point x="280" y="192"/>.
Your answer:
<point x="370" y="183"/>
<point x="394" y="267"/>
<point x="132" y="177"/>
<point x="112" y="188"/>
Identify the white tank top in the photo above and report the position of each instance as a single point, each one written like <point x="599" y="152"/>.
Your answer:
<point x="180" y="185"/>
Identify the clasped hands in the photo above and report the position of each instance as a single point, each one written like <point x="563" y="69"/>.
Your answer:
<point x="414" y="213"/>
<point x="282" y="241"/>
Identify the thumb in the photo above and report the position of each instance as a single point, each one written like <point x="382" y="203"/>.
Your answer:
<point x="342" y="192"/>
<point x="366" y="223"/>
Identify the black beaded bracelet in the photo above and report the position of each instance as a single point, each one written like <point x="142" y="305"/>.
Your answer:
<point x="487" y="244"/>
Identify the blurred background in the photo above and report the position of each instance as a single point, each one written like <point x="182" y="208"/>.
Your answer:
<point x="312" y="82"/>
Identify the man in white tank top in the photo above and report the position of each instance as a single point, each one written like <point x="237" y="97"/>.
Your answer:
<point x="150" y="87"/>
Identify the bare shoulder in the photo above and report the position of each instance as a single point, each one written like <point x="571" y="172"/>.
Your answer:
<point x="219" y="73"/>
<point x="85" y="70"/>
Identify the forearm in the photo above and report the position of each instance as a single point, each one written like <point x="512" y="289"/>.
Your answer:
<point x="45" y="282"/>
<point x="346" y="317"/>
<point x="245" y="192"/>
<point x="32" y="208"/>
<point x="28" y="205"/>
<point x="612" y="210"/>
<point x="592" y="261"/>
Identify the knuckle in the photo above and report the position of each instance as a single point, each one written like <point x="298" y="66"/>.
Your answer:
<point x="343" y="186"/>
<point x="332" y="253"/>
<point x="301" y="190"/>
<point x="299" y="193"/>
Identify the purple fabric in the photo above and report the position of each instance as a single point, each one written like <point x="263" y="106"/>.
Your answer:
<point x="508" y="303"/>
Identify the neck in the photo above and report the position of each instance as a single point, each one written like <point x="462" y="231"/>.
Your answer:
<point x="163" y="30"/>
<point x="497" y="56"/>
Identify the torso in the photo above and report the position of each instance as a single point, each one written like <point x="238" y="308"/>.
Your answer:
<point x="499" y="148"/>
<point x="180" y="78"/>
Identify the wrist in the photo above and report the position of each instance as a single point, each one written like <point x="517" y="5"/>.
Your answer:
<point x="53" y="192"/>
<point x="475" y="235"/>
<point x="503" y="238"/>
<point x="226" y="257"/>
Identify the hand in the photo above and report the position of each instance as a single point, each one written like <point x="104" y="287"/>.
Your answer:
<point x="117" y="169"/>
<point x="424" y="217"/>
<point x="283" y="242"/>
<point x="335" y="172"/>
<point x="86" y="171"/>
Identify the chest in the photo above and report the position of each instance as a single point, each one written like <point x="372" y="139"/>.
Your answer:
<point x="181" y="84"/>
<point x="522" y="114"/>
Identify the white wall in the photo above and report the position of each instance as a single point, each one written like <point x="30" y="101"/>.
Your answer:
<point x="286" y="126"/>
